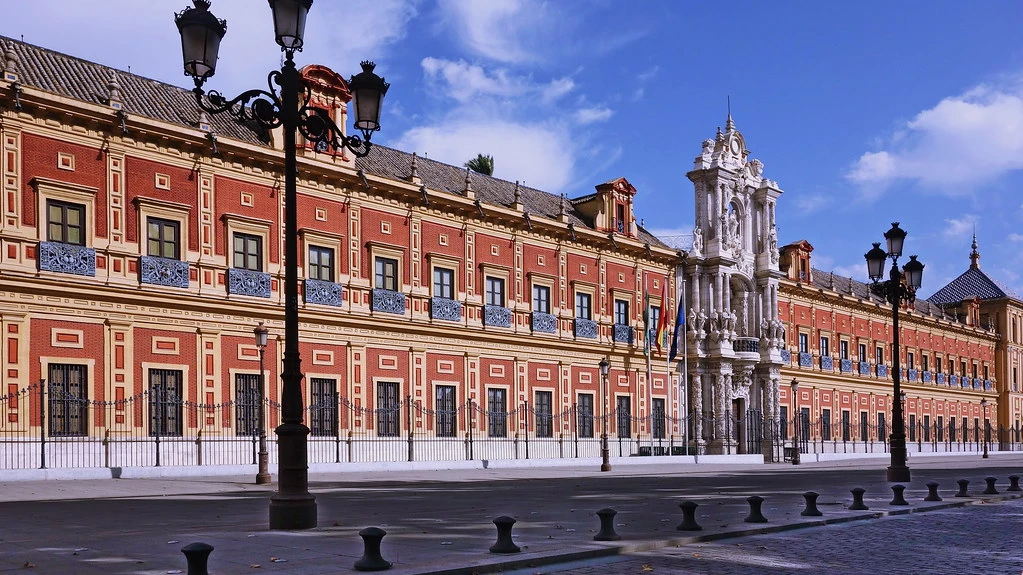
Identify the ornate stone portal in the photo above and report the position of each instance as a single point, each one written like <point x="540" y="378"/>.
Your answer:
<point x="730" y="279"/>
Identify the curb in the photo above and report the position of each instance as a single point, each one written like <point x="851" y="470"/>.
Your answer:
<point x="610" y="550"/>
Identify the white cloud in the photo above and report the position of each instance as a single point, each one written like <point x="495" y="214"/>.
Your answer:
<point x="961" y="143"/>
<point x="591" y="115"/>
<point x="541" y="156"/>
<point x="810" y="203"/>
<point x="678" y="238"/>
<point x="960" y="228"/>
<point x="1015" y="237"/>
<point x="465" y="82"/>
<point x="501" y="30"/>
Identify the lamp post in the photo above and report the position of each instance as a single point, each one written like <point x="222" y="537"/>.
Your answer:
<point x="900" y="287"/>
<point x="605" y="462"/>
<point x="291" y="506"/>
<point x="983" y="404"/>
<point x="795" y="422"/>
<point x="263" y="474"/>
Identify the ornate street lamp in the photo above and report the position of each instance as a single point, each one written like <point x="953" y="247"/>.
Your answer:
<point x="263" y="474"/>
<point x="795" y="422"/>
<point x="286" y="105"/>
<point x="983" y="404"/>
<point x="605" y="462"/>
<point x="899" y="288"/>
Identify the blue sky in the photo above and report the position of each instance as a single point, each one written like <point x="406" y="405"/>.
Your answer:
<point x="864" y="112"/>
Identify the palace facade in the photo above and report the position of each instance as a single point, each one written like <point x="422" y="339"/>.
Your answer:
<point x="444" y="314"/>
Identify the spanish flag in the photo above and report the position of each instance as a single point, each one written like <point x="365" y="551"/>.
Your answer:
<point x="661" y="339"/>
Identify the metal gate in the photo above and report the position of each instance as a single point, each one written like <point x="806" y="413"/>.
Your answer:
<point x="754" y="431"/>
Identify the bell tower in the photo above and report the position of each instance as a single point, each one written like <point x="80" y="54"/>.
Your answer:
<point x="731" y="289"/>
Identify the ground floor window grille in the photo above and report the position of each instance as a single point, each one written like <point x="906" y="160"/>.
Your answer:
<point x="68" y="399"/>
<point x="165" y="402"/>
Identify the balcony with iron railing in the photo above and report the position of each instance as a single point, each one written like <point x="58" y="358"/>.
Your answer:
<point x="67" y="258"/>
<point x="248" y="282"/>
<point x="623" y="333"/>
<point x="544" y="322"/>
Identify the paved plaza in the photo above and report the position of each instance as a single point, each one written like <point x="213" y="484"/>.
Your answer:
<point x="441" y="521"/>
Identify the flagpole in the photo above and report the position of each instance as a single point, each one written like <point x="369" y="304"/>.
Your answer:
<point x="685" y="370"/>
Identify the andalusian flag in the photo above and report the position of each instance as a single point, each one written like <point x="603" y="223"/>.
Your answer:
<point x="661" y="339"/>
<point x="679" y="322"/>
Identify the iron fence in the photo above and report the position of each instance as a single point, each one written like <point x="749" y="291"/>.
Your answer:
<point x="52" y="426"/>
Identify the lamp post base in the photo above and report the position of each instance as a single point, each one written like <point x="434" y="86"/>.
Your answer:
<point x="898" y="471"/>
<point x="263" y="475"/>
<point x="605" y="464"/>
<point x="292" y="506"/>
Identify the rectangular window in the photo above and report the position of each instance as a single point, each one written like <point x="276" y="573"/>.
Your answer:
<point x="163" y="238"/>
<point x="846" y="432"/>
<point x="65" y="222"/>
<point x="826" y="424"/>
<point x="165" y="402"/>
<point x="863" y="352"/>
<point x="386" y="273"/>
<point x="323" y="406"/>
<point x="925" y="363"/>
<point x="495" y="291"/>
<point x="804" y="424"/>
<point x="937" y="365"/>
<point x="985" y="372"/>
<point x="621" y="312"/>
<point x="912" y="427"/>
<point x="248" y="396"/>
<point x="952" y="429"/>
<point x="585" y="411"/>
<point x="843" y="349"/>
<point x="974" y="370"/>
<point x="583" y="309"/>
<point x="447" y="424"/>
<point x="825" y="346"/>
<point x="321" y="263"/>
<point x="804" y="343"/>
<point x="544" y="418"/>
<point x="658" y="419"/>
<point x="976" y="429"/>
<point x="68" y="399"/>
<point x="655" y="316"/>
<point x="882" y="429"/>
<point x="864" y="426"/>
<point x="909" y="360"/>
<point x="444" y="283"/>
<point x="962" y="368"/>
<point x="879" y="355"/>
<point x="542" y="299"/>
<point x="248" y="252"/>
<point x="497" y="416"/>
<point x="624" y="415"/>
<point x="927" y="428"/>
<point x="966" y="431"/>
<point x="940" y="428"/>
<point x="388" y="409"/>
<point x="783" y="425"/>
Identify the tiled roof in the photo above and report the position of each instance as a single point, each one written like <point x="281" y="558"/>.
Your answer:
<point x="861" y="290"/>
<point x="395" y="164"/>
<point x="972" y="282"/>
<point x="86" y="81"/>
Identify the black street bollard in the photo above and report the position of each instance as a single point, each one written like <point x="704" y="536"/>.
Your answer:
<point x="504" y="536"/>
<point x="607" y="525"/>
<point x="689" y="517"/>
<point x="932" y="492"/>
<point x="371" y="559"/>
<point x="755" y="516"/>
<point x="1014" y="483"/>
<point x="857" y="504"/>
<point x="197" y="555"/>
<point x="811" y="505"/>
<point x="963" y="484"/>
<point x="990" y="489"/>
<point x="899" y="499"/>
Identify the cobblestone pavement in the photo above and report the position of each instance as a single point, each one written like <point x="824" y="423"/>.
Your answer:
<point x="982" y="539"/>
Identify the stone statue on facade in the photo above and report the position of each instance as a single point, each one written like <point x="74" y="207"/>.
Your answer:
<point x="772" y="239"/>
<point x="697" y="241"/>
<point x="715" y="322"/>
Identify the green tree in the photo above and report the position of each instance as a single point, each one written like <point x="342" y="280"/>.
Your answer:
<point x="482" y="164"/>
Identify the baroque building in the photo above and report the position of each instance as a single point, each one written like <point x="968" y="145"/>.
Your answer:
<point x="141" y="244"/>
<point x="730" y="278"/>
